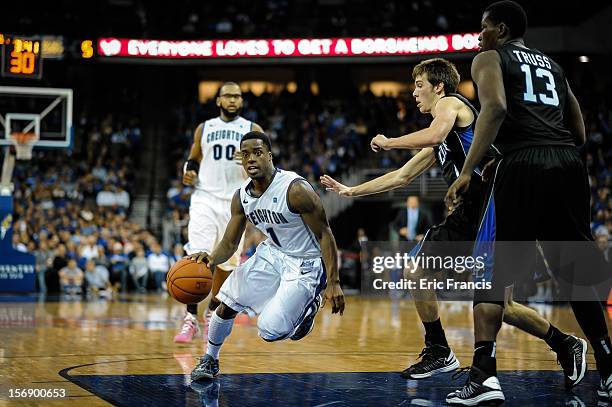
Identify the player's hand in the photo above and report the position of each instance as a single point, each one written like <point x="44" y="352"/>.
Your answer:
<point x="456" y="190"/>
<point x="379" y="142"/>
<point x="202" y="257"/>
<point x="190" y="178"/>
<point x="488" y="170"/>
<point x="237" y="157"/>
<point x="332" y="185"/>
<point x="334" y="294"/>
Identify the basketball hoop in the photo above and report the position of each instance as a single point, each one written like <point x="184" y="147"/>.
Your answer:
<point x="23" y="142"/>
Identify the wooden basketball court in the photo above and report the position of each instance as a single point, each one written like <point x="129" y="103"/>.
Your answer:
<point x="122" y="353"/>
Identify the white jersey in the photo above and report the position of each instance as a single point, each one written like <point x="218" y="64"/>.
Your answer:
<point x="219" y="174"/>
<point x="270" y="214"/>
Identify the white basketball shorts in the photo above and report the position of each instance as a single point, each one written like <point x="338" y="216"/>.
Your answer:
<point x="280" y="288"/>
<point x="208" y="219"/>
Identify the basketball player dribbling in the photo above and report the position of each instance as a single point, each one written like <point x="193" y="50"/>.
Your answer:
<point x="213" y="169"/>
<point x="291" y="273"/>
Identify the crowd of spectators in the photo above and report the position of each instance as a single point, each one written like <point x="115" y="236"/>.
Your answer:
<point x="72" y="212"/>
<point x="598" y="153"/>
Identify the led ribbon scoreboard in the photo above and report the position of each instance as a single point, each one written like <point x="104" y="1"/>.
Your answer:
<point x="286" y="48"/>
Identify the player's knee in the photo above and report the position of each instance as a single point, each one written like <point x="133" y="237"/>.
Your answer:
<point x="225" y="312"/>
<point x="273" y="328"/>
<point x="484" y="301"/>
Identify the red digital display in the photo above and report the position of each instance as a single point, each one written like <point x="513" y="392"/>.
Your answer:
<point x="288" y="48"/>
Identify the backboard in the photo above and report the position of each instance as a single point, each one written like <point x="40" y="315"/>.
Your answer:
<point x="46" y="112"/>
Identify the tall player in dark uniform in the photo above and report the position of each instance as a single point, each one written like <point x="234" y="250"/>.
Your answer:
<point x="541" y="187"/>
<point x="445" y="143"/>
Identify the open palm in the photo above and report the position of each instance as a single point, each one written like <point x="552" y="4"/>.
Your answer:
<point x="332" y="185"/>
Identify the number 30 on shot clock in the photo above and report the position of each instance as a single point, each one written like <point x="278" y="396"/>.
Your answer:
<point x="21" y="57"/>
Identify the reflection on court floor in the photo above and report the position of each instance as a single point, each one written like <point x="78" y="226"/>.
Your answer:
<point x="122" y="352"/>
<point x="526" y="388"/>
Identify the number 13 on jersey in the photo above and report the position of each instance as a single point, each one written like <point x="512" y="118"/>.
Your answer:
<point x="529" y="96"/>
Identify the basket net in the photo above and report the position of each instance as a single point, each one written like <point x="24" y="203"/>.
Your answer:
<point x="23" y="142"/>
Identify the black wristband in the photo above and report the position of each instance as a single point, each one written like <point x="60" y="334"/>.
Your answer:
<point x="192" y="165"/>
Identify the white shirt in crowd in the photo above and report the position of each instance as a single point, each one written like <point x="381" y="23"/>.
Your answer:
<point x="158" y="262"/>
<point x="105" y="198"/>
<point x="20" y="247"/>
<point x="110" y="198"/>
<point x="90" y="252"/>
<point x="122" y="198"/>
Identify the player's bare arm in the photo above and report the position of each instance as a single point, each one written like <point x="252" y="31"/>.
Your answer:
<point x="190" y="171"/>
<point x="487" y="74"/>
<point x="417" y="165"/>
<point x="446" y="112"/>
<point x="303" y="200"/>
<point x="573" y="117"/>
<point x="231" y="238"/>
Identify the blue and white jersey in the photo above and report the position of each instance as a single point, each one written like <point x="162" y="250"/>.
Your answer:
<point x="270" y="213"/>
<point x="451" y="154"/>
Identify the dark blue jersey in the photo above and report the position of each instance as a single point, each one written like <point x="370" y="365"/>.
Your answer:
<point x="451" y="154"/>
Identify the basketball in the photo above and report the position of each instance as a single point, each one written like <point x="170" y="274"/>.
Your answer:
<point x="189" y="282"/>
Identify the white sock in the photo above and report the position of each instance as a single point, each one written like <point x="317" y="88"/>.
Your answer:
<point x="218" y="330"/>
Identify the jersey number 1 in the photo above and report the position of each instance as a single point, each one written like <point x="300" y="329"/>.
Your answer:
<point x="273" y="236"/>
<point x="529" y="96"/>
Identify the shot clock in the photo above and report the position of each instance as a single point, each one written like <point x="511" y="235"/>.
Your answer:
<point x="21" y="56"/>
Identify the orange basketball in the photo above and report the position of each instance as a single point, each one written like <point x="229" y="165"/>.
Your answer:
<point x="189" y="282"/>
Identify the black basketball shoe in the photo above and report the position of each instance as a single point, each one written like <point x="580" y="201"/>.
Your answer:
<point x="435" y="359"/>
<point x="308" y="323"/>
<point x="605" y="389"/>
<point x="479" y="388"/>
<point x="572" y="358"/>
<point x="207" y="368"/>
